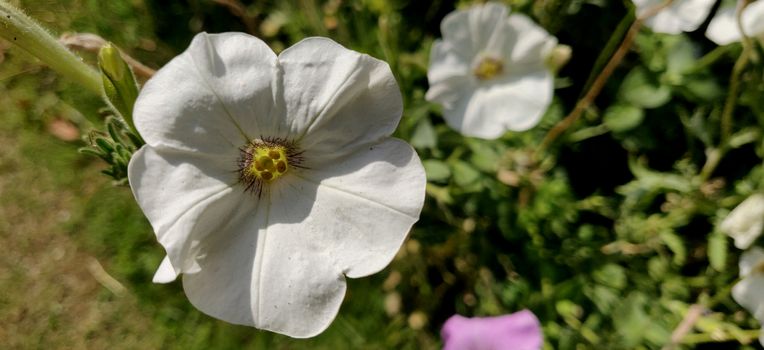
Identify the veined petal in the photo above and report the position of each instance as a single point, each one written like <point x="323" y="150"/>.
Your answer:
<point x="263" y="271"/>
<point x="365" y="205"/>
<point x="516" y="104"/>
<point x="224" y="285"/>
<point x="185" y="197"/>
<point x="472" y="30"/>
<point x="337" y="99"/>
<point x="211" y="98"/>
<point x="310" y="228"/>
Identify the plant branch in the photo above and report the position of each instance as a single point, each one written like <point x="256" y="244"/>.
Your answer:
<point x="602" y="78"/>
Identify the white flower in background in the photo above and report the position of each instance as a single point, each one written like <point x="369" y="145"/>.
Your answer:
<point x="679" y="16"/>
<point x="748" y="292"/>
<point x="746" y="222"/>
<point x="268" y="178"/>
<point x="490" y="71"/>
<point x="724" y="29"/>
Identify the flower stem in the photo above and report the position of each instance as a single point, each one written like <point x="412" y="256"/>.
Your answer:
<point x="19" y="29"/>
<point x="715" y="155"/>
<point x="698" y="338"/>
<point x="602" y="78"/>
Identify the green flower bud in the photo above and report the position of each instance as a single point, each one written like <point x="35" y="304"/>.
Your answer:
<point x="119" y="84"/>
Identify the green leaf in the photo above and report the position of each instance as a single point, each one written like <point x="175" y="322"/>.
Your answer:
<point x="436" y="170"/>
<point x="464" y="173"/>
<point x="424" y="135"/>
<point x="623" y="117"/>
<point x="641" y="89"/>
<point x="676" y="245"/>
<point x="717" y="250"/>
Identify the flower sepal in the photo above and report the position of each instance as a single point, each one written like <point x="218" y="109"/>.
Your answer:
<point x="115" y="147"/>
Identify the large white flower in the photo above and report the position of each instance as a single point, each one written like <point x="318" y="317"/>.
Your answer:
<point x="490" y="72"/>
<point x="268" y="178"/>
<point x="724" y="28"/>
<point x="745" y="223"/>
<point x="748" y="292"/>
<point x="679" y="16"/>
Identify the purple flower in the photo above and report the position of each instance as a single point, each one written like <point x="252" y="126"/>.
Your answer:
<point x="518" y="331"/>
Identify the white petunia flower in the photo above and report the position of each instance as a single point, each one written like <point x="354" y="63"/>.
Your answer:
<point x="748" y="292"/>
<point x="268" y="179"/>
<point x="490" y="71"/>
<point x="679" y="16"/>
<point x="745" y="223"/>
<point x="724" y="29"/>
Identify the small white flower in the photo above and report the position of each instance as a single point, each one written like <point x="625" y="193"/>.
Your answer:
<point x="724" y="29"/>
<point x="746" y="222"/>
<point x="268" y="179"/>
<point x="748" y="292"/>
<point x="679" y="16"/>
<point x="490" y="71"/>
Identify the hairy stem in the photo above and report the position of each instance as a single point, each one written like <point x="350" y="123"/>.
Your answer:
<point x="19" y="29"/>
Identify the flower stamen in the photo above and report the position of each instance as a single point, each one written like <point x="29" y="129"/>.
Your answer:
<point x="263" y="161"/>
<point x="488" y="68"/>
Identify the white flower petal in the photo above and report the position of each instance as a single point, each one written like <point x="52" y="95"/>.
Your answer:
<point x="227" y="281"/>
<point x="528" y="47"/>
<point x="472" y="30"/>
<point x="680" y="16"/>
<point x="165" y="273"/>
<point x="517" y="104"/>
<point x="185" y="197"/>
<point x="723" y="28"/>
<point x="750" y="261"/>
<point x="748" y="294"/>
<point x="752" y="19"/>
<point x="365" y="205"/>
<point x="338" y="99"/>
<point x="319" y="224"/>
<point x="446" y="72"/>
<point x="745" y="223"/>
<point x="211" y="97"/>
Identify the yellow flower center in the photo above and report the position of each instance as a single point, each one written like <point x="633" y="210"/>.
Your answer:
<point x="488" y="68"/>
<point x="262" y="161"/>
<point x="268" y="162"/>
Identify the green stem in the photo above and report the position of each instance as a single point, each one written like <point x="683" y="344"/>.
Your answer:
<point x="19" y="29"/>
<point x="698" y="338"/>
<point x="710" y="58"/>
<point x="612" y="44"/>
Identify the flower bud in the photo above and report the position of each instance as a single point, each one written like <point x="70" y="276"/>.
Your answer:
<point x="559" y="57"/>
<point x="119" y="84"/>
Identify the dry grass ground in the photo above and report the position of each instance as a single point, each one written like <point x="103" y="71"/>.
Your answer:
<point x="50" y="294"/>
